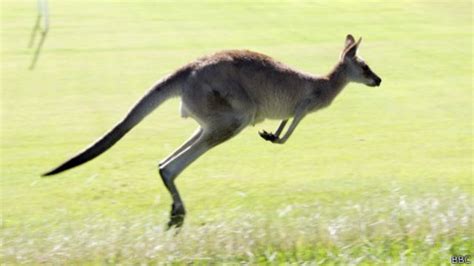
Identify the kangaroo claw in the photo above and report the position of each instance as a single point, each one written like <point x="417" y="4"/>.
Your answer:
<point x="268" y="136"/>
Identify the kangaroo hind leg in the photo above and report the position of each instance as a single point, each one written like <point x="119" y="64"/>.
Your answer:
<point x="222" y="129"/>
<point x="183" y="147"/>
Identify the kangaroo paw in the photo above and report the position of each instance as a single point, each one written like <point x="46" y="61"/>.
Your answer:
<point x="268" y="136"/>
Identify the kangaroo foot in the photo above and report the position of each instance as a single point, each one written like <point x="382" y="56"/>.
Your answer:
<point x="177" y="216"/>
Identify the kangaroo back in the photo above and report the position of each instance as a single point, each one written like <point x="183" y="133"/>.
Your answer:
<point x="164" y="89"/>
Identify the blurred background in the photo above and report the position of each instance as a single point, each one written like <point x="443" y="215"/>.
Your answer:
<point x="384" y="175"/>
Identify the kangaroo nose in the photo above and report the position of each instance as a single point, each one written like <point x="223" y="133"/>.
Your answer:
<point x="378" y="81"/>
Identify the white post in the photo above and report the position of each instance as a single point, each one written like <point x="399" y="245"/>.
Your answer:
<point x="42" y="18"/>
<point x="44" y="14"/>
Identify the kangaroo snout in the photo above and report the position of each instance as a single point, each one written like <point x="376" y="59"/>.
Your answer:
<point x="377" y="81"/>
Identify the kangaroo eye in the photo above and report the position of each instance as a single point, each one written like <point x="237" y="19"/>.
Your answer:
<point x="365" y="67"/>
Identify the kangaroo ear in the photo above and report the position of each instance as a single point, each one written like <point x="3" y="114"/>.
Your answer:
<point x="349" y="41"/>
<point x="351" y="51"/>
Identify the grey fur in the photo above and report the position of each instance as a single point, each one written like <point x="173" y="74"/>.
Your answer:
<point x="225" y="93"/>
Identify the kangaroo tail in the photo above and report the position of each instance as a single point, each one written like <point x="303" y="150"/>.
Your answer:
<point x="160" y="92"/>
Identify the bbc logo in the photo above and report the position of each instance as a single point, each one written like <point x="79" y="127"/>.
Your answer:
<point x="461" y="259"/>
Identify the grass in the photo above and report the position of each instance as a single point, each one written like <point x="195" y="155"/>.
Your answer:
<point x="384" y="176"/>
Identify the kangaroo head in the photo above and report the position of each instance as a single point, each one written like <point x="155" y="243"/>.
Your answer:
<point x="356" y="69"/>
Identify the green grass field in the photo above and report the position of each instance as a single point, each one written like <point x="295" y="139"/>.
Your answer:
<point x="383" y="176"/>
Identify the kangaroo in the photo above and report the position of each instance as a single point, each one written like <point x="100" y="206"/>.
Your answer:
<point x="225" y="93"/>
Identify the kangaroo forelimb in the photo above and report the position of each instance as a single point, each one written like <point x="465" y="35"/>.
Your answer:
<point x="268" y="136"/>
<point x="294" y="123"/>
<point x="301" y="112"/>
